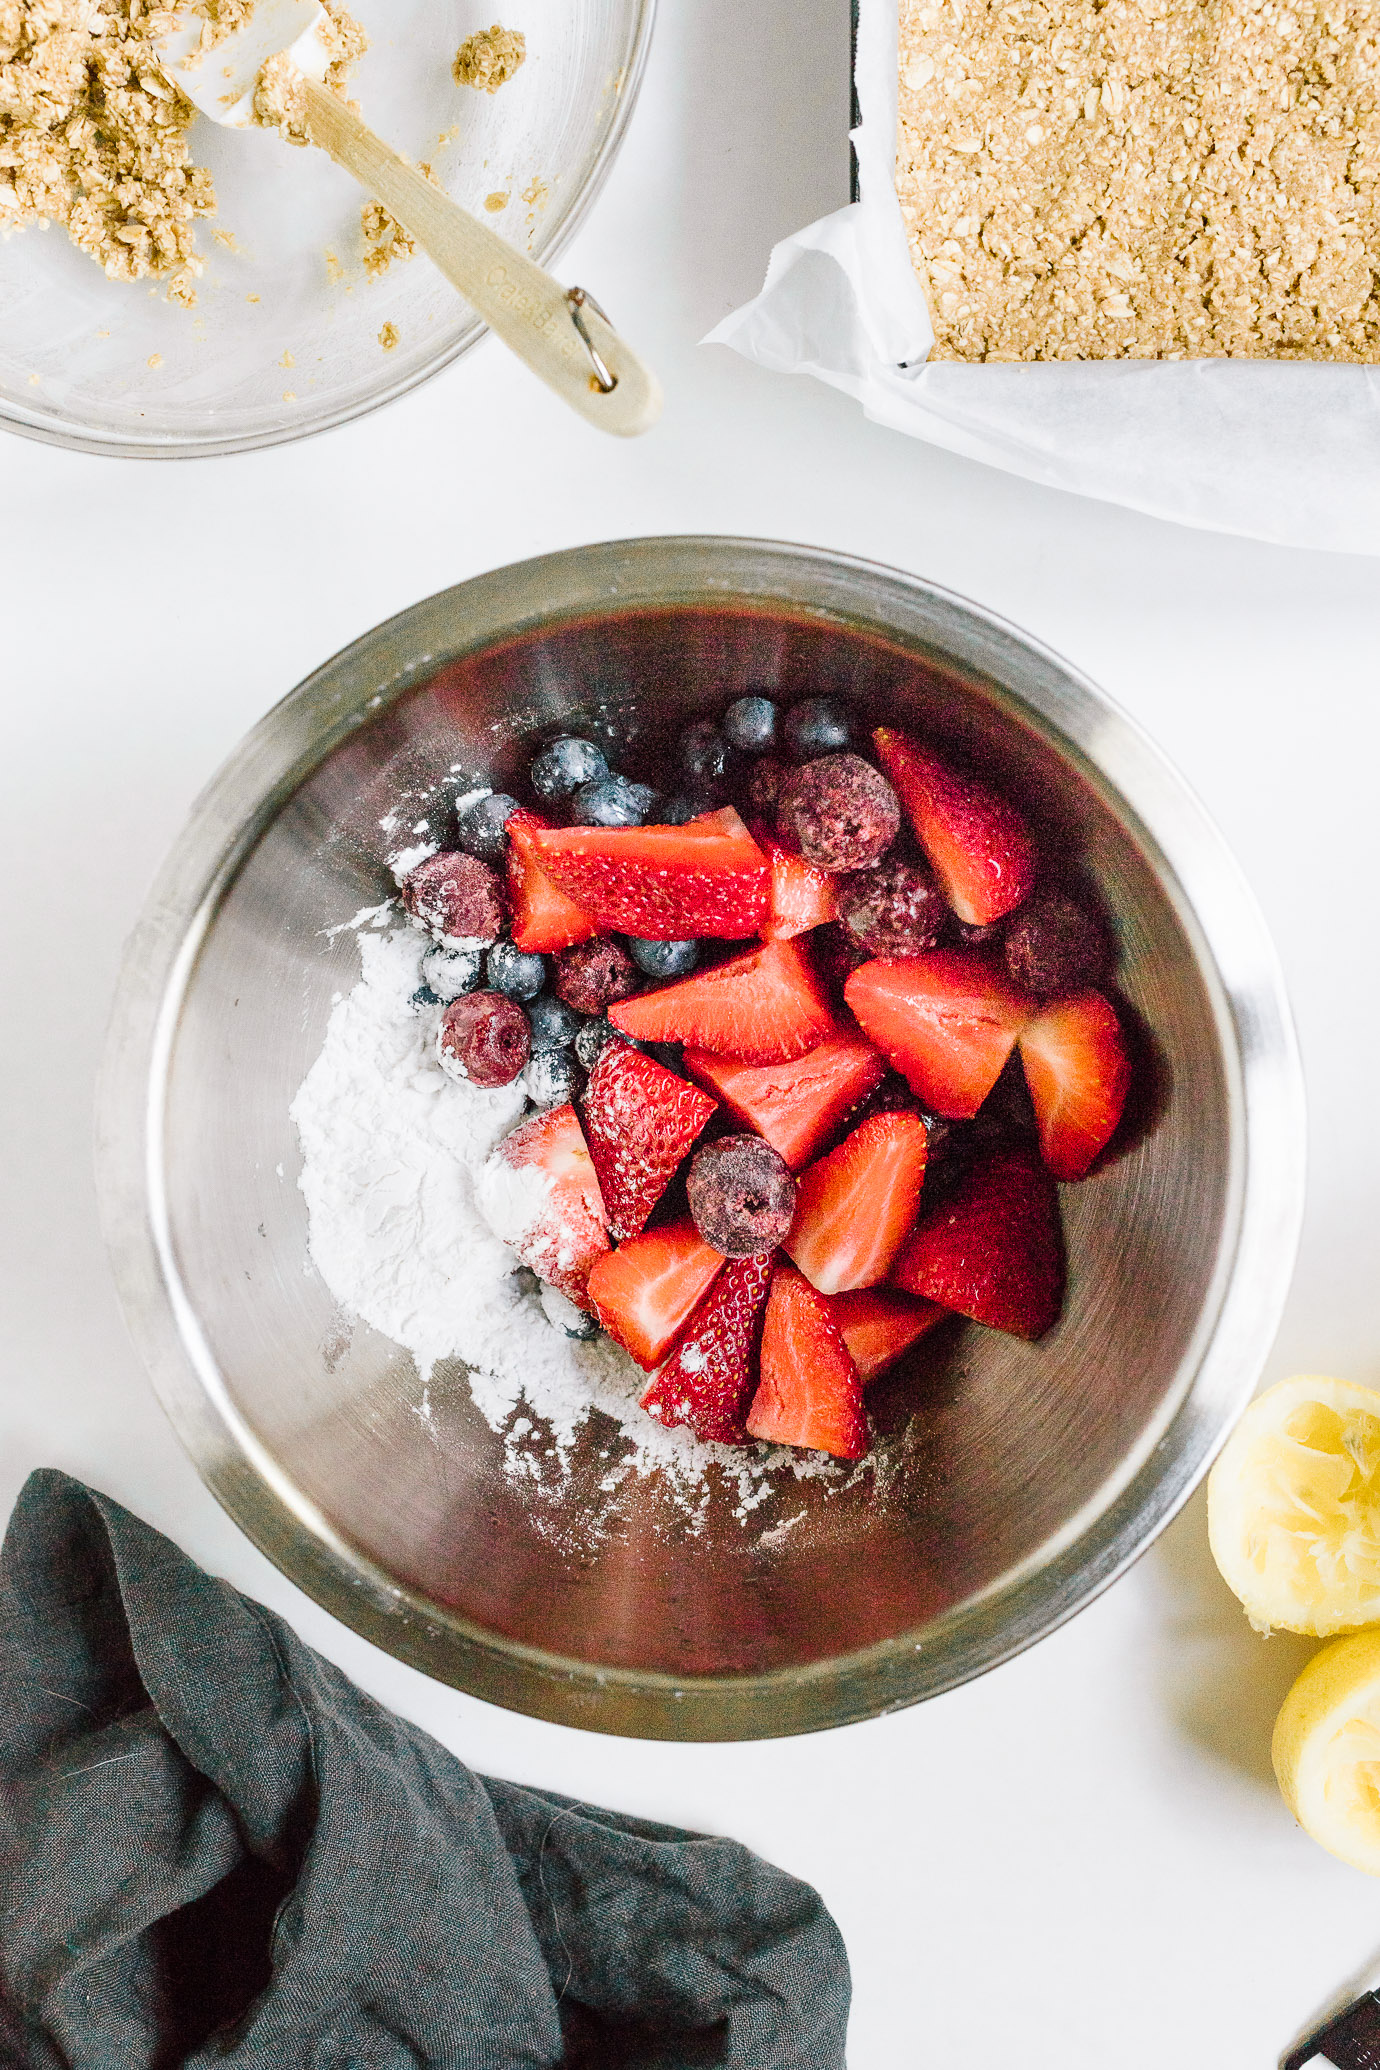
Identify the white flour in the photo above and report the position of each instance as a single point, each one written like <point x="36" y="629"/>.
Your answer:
<point x="392" y="1152"/>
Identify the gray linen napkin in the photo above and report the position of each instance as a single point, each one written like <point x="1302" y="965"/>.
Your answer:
<point x="214" y="1849"/>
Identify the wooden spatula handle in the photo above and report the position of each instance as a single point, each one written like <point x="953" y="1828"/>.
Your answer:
<point x="559" y="333"/>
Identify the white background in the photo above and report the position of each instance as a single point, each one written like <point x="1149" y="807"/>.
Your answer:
<point x="1080" y="1860"/>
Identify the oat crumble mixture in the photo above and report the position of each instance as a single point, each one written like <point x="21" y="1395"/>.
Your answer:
<point x="1144" y="179"/>
<point x="489" y="58"/>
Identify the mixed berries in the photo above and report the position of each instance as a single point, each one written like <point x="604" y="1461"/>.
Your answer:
<point x="814" y="1035"/>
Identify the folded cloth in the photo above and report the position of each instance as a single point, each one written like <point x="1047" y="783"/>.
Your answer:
<point x="214" y="1849"/>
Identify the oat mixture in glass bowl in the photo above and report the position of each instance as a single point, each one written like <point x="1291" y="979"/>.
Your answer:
<point x="297" y="322"/>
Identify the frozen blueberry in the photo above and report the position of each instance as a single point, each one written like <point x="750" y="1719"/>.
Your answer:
<point x="511" y="970"/>
<point x="769" y="775"/>
<point x="424" y="996"/>
<point x="566" y="763"/>
<point x="449" y="972"/>
<point x="841" y="813"/>
<point x="612" y="803"/>
<point x="593" y="974"/>
<point x="705" y="755"/>
<point x="554" y="1024"/>
<point x="484" y="1038"/>
<point x="1053" y="945"/>
<point x="564" y="1316"/>
<point x="749" y="724"/>
<point x="651" y="801"/>
<point x="456" y="898"/>
<point x="894" y="910"/>
<point x="479" y="824"/>
<point x="593" y="1039"/>
<point x="664" y="959"/>
<point x="742" y="1195"/>
<point x="675" y="811"/>
<point x="552" y="1077"/>
<point x="817" y="726"/>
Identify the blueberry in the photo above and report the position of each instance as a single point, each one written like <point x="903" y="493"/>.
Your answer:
<point x="664" y="959"/>
<point x="819" y="726"/>
<point x="449" y="972"/>
<point x="552" y="1077"/>
<point x="750" y="725"/>
<point x="676" y="811"/>
<point x="566" y="763"/>
<point x="564" y="1316"/>
<point x="424" y="996"/>
<point x="479" y="824"/>
<point x="648" y="799"/>
<point x="613" y="803"/>
<point x="511" y="970"/>
<point x="704" y="753"/>
<point x="554" y="1024"/>
<point x="593" y="1038"/>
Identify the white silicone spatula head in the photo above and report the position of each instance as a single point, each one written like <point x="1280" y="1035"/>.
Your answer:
<point x="220" y="81"/>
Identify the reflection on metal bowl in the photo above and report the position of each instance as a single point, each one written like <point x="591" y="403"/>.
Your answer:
<point x="1012" y="1481"/>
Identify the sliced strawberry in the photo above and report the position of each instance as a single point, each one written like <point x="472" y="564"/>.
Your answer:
<point x="543" y="917"/>
<point x="977" y="843"/>
<point x="707" y="1382"/>
<point x="876" y="1323"/>
<point x="646" y="1291"/>
<point x="539" y="1192"/>
<point x="809" y="1392"/>
<point x="1075" y="1063"/>
<point x="948" y="1020"/>
<point x="640" y="1120"/>
<point x="663" y="883"/>
<point x="763" y="1007"/>
<point x="993" y="1250"/>
<point x="795" y="1106"/>
<point x="802" y="897"/>
<point x="854" y="1207"/>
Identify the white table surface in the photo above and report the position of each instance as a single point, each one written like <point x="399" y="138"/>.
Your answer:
<point x="1080" y="1860"/>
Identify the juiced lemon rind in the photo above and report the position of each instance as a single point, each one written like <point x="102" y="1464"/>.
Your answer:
<point x="1326" y="1750"/>
<point x="1294" y="1508"/>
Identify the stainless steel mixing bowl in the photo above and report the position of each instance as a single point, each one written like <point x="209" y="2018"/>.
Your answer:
<point x="1012" y="1482"/>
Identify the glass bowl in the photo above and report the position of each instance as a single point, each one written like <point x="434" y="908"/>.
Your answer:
<point x="284" y="339"/>
<point x="1011" y="1481"/>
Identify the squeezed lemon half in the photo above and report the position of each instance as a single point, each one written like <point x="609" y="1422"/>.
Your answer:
<point x="1327" y="1750"/>
<point x="1294" y="1512"/>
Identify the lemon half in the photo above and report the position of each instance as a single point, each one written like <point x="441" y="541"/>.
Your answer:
<point x="1327" y="1750"/>
<point x="1294" y="1508"/>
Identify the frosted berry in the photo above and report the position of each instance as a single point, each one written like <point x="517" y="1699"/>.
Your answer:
<point x="564" y="1316"/>
<point x="614" y="802"/>
<point x="769" y="776"/>
<point x="449" y="972"/>
<point x="512" y="970"/>
<point x="742" y="1195"/>
<point x="841" y="813"/>
<point x="1053" y="945"/>
<point x="479" y="825"/>
<point x="564" y="764"/>
<point x="456" y="898"/>
<point x="554" y="1024"/>
<point x="664" y="959"/>
<point x="674" y="812"/>
<point x="894" y="910"/>
<point x="749" y="725"/>
<point x="817" y="726"/>
<point x="594" y="974"/>
<point x="593" y="1038"/>
<point x="552" y="1077"/>
<point x="484" y="1038"/>
<point x="705" y="755"/>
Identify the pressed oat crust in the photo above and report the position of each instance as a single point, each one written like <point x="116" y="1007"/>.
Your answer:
<point x="1144" y="179"/>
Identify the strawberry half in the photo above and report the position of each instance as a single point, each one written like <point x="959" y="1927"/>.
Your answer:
<point x="802" y="897"/>
<point x="646" y="1291"/>
<point x="640" y="1119"/>
<point x="809" y="1392"/>
<point x="666" y="884"/>
<point x="764" y="1007"/>
<point x="978" y="845"/>
<point x="876" y="1323"/>
<point x="795" y="1107"/>
<point x="553" y="1214"/>
<point x="543" y="917"/>
<point x="948" y="1020"/>
<point x="707" y="1382"/>
<point x="854" y="1207"/>
<point x="1075" y="1063"/>
<point x="993" y="1250"/>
